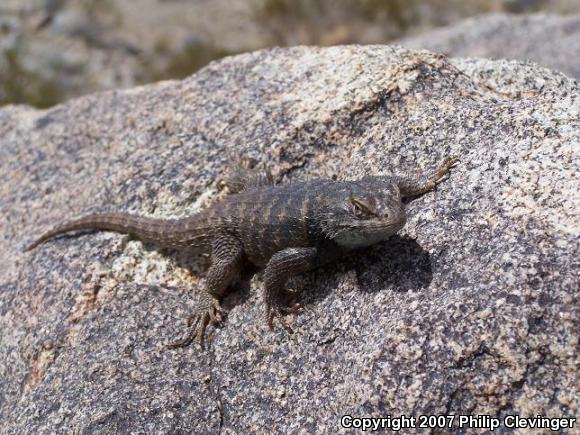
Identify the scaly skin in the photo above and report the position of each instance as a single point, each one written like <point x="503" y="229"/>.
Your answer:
<point x="284" y="230"/>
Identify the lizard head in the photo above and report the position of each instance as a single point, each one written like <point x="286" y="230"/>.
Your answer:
<point x="365" y="213"/>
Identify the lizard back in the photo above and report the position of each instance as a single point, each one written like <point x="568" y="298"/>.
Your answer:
<point x="269" y="219"/>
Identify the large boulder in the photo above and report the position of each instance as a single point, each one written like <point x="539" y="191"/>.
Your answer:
<point x="472" y="309"/>
<point x="550" y="40"/>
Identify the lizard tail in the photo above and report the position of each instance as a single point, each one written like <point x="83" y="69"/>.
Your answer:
<point x="147" y="229"/>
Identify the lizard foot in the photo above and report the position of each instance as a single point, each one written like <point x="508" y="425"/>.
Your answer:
<point x="245" y="175"/>
<point x="283" y="307"/>
<point x="443" y="171"/>
<point x="197" y="324"/>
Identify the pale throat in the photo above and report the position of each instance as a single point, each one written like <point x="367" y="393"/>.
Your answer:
<point x="356" y="239"/>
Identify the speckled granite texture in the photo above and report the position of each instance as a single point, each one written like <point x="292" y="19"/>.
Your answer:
<point x="472" y="309"/>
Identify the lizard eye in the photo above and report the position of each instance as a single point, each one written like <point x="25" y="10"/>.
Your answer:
<point x="359" y="209"/>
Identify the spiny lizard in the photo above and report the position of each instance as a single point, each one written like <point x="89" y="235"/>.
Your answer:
<point x="283" y="229"/>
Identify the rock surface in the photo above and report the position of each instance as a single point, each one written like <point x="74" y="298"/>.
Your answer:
<point x="472" y="309"/>
<point x="550" y="40"/>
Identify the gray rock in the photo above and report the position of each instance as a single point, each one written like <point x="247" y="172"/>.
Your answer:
<point x="472" y="309"/>
<point x="550" y="40"/>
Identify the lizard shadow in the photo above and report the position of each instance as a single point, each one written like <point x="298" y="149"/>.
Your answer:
<point x="399" y="264"/>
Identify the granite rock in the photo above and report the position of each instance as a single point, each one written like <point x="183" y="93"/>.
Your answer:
<point x="471" y="309"/>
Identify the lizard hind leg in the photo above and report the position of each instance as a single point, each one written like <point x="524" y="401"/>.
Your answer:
<point x="245" y="177"/>
<point x="227" y="255"/>
<point x="283" y="265"/>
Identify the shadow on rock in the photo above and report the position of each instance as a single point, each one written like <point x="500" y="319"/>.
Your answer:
<point x="399" y="264"/>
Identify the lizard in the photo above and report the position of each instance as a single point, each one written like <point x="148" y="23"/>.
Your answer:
<point x="283" y="230"/>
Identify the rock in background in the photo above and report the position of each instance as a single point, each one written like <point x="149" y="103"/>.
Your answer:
<point x="52" y="50"/>
<point x="472" y="309"/>
<point x="549" y="40"/>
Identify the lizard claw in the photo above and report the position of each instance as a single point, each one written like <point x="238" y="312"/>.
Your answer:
<point x="197" y="324"/>
<point x="285" y="307"/>
<point x="443" y="171"/>
<point x="216" y="314"/>
<point x="294" y="309"/>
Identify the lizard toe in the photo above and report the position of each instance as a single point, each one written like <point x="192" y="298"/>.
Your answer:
<point x="197" y="324"/>
<point x="216" y="313"/>
<point x="280" y="312"/>
<point x="295" y="308"/>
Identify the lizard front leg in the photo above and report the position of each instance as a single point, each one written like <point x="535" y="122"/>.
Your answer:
<point x="283" y="265"/>
<point x="224" y="270"/>
<point x="414" y="185"/>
